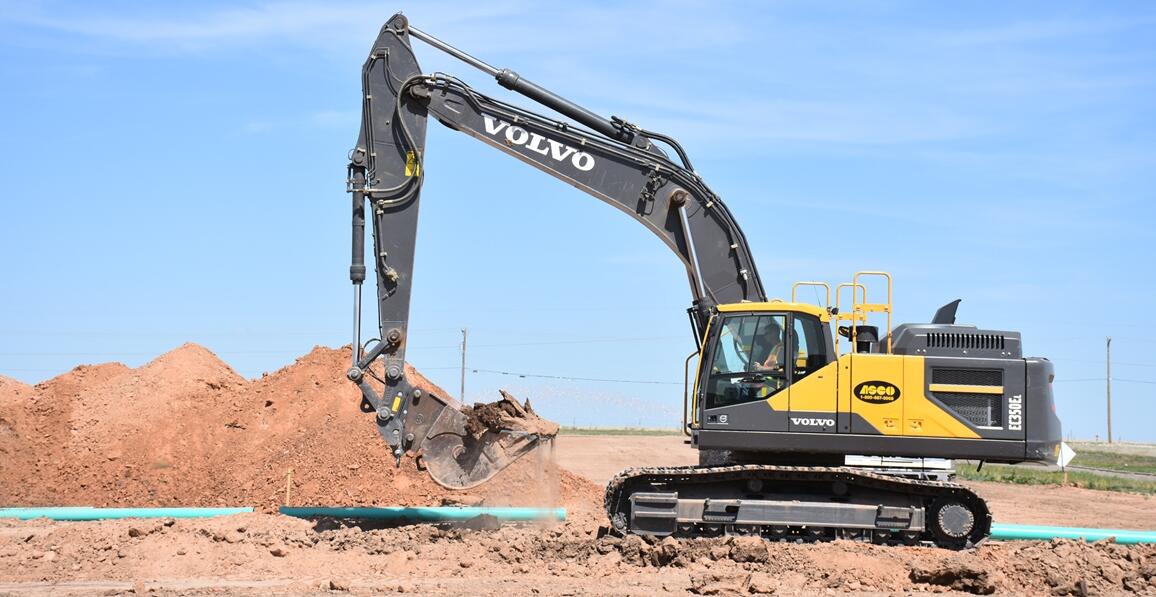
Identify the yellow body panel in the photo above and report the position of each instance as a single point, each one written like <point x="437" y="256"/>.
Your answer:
<point x="887" y="418"/>
<point x="832" y="389"/>
<point x="844" y="371"/>
<point x="922" y="417"/>
<point x="814" y="393"/>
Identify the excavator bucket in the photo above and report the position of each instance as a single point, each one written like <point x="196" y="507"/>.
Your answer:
<point x="465" y="448"/>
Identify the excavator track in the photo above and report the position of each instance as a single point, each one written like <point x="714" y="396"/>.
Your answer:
<point x="786" y="503"/>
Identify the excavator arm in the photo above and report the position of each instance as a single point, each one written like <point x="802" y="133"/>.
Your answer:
<point x="609" y="159"/>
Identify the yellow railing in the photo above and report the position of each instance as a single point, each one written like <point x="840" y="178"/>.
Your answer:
<point x="827" y="287"/>
<point x="850" y="316"/>
<point x="864" y="308"/>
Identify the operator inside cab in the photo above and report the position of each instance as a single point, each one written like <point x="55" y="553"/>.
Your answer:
<point x="750" y="360"/>
<point x="757" y="355"/>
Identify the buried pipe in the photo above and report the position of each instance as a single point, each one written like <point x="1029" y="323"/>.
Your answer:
<point x="89" y="513"/>
<point x="999" y="532"/>
<point x="1031" y="532"/>
<point x="431" y="514"/>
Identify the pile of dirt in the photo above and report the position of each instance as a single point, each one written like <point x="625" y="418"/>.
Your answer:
<point x="16" y="433"/>
<point x="186" y="429"/>
<point x="507" y="414"/>
<point x="267" y="554"/>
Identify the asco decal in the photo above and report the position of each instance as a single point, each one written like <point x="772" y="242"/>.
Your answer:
<point x="877" y="392"/>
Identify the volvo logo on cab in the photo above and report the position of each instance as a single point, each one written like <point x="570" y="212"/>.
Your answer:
<point x="812" y="422"/>
<point x="555" y="150"/>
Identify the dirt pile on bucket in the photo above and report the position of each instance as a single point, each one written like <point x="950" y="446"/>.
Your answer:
<point x="185" y="429"/>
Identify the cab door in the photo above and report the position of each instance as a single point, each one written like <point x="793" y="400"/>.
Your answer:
<point x="812" y="396"/>
<point x="745" y="383"/>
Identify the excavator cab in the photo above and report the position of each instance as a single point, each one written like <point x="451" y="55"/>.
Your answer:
<point x="758" y="354"/>
<point x="774" y="379"/>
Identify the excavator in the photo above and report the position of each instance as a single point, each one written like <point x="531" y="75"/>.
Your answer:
<point x="783" y="391"/>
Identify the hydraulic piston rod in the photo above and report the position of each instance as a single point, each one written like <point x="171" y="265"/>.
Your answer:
<point x="514" y="82"/>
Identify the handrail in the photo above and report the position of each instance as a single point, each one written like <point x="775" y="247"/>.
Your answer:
<point x="825" y="285"/>
<point x="866" y="307"/>
<point x="694" y="395"/>
<point x="685" y="393"/>
<point x="852" y="314"/>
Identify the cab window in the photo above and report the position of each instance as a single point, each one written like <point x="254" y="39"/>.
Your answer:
<point x="750" y="362"/>
<point x="808" y="345"/>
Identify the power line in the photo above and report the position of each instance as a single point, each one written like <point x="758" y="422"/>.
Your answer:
<point x="1144" y="381"/>
<point x="555" y="342"/>
<point x="276" y="352"/>
<point x="591" y="341"/>
<point x="570" y="378"/>
<point x="1098" y="362"/>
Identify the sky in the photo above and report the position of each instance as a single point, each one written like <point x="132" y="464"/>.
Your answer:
<point x="175" y="172"/>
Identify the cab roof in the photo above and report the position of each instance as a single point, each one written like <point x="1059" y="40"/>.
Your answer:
<point x="777" y="305"/>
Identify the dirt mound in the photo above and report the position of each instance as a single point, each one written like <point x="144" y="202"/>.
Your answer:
<point x="12" y="388"/>
<point x="14" y="396"/>
<point x="185" y="429"/>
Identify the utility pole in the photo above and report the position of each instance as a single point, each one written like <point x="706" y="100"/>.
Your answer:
<point x="462" y="394"/>
<point x="1109" y="378"/>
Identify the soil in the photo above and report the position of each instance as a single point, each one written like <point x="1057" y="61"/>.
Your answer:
<point x="265" y="554"/>
<point x="507" y="414"/>
<point x="185" y="429"/>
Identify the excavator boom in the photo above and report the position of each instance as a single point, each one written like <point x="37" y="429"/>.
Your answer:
<point x="607" y="158"/>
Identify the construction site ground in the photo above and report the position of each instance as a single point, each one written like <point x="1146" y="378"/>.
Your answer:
<point x="186" y="430"/>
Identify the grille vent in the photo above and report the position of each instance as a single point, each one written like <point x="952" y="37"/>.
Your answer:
<point x="971" y="377"/>
<point x="958" y="340"/>
<point x="981" y="410"/>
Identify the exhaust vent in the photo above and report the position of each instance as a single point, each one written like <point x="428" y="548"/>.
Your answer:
<point x="981" y="410"/>
<point x="965" y="341"/>
<point x="970" y="377"/>
<point x="941" y="340"/>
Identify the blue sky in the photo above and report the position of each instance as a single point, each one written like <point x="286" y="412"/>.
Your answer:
<point x="174" y="172"/>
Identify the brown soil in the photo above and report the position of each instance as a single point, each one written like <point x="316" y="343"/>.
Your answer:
<point x="505" y="414"/>
<point x="185" y="429"/>
<point x="266" y="554"/>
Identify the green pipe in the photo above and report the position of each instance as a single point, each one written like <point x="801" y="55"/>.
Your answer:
<point x="431" y="514"/>
<point x="1031" y="532"/>
<point x="88" y="513"/>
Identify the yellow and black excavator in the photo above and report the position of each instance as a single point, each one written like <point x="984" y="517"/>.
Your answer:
<point x="783" y="392"/>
